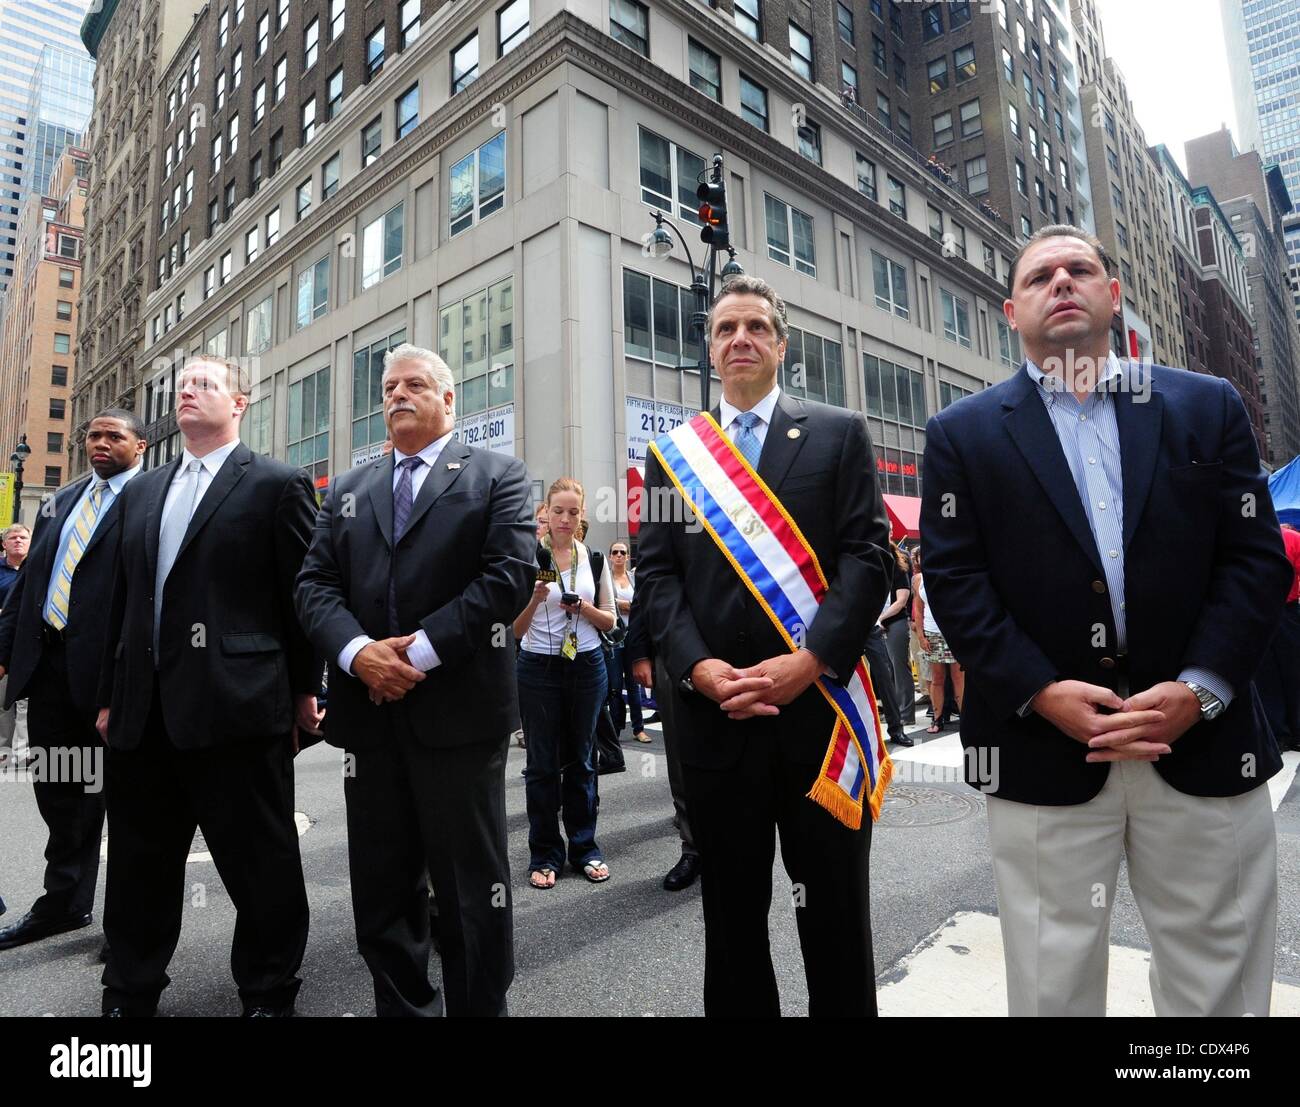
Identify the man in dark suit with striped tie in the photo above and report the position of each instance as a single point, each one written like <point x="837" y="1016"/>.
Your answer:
<point x="51" y="646"/>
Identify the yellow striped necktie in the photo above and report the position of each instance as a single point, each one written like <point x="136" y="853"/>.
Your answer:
<point x="56" y="607"/>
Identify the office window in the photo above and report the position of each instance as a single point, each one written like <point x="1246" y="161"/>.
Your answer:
<point x="1008" y="67"/>
<point x="225" y="266"/>
<point x="1008" y="345"/>
<point x="937" y="71"/>
<point x="512" y="25"/>
<point x="1037" y="55"/>
<point x="990" y="261"/>
<point x="219" y="95"/>
<point x="259" y="103"/>
<point x="214" y="215"/>
<point x="281" y="15"/>
<point x="329" y="178"/>
<point x="257" y="328"/>
<point x="255" y="173"/>
<point x="866" y="177"/>
<point x="844" y="21"/>
<point x="334" y="92"/>
<point x="313" y="292"/>
<point x="882" y="111"/>
<point x="895" y="18"/>
<point x="302" y="198"/>
<point x="209" y="281"/>
<point x="748" y="17"/>
<point x="669" y="170"/>
<point x="790" y="231"/>
<point x="935" y="221"/>
<point x="59" y="375"/>
<point x="381" y="247"/>
<point x="897" y="197"/>
<point x="250" y="245"/>
<point x="977" y="175"/>
<point x="464" y="64"/>
<point x="890" y="284"/>
<point x="958" y="13"/>
<point x="69" y="246"/>
<point x="309" y="424"/>
<point x="232" y="136"/>
<point x="801" y="52"/>
<point x="476" y="340"/>
<point x="1060" y="124"/>
<point x="958" y="233"/>
<point x="1002" y="14"/>
<point x="1026" y="228"/>
<point x="309" y="121"/>
<point x="53" y="445"/>
<point x="63" y="309"/>
<point x="281" y="78"/>
<point x="239" y="12"/>
<point x="813" y="368"/>
<point x="706" y="71"/>
<point x="1065" y="174"/>
<point x="963" y="61"/>
<point x="1028" y="80"/>
<point x="409" y="18"/>
<point x="971" y="124"/>
<point x="1020" y="37"/>
<point x="272" y="227"/>
<point x="879" y="54"/>
<point x="900" y="71"/>
<point x="849" y="81"/>
<point x="375" y="51"/>
<point x="62" y="343"/>
<point x="629" y="23"/>
<point x="223" y="29"/>
<point x="338" y="18"/>
<point x="372" y="141"/>
<point x="810" y="142"/>
<point x="263" y="34"/>
<point x="956" y="318"/>
<point x="1117" y="196"/>
<point x="931" y="22"/>
<point x="1052" y="76"/>
<point x="1022" y="182"/>
<point x="1014" y="115"/>
<point x="408" y="111"/>
<point x="1112" y="159"/>
<point x="753" y="103"/>
<point x="904" y="126"/>
<point x="310" y="44"/>
<point x="66" y="278"/>
<point x="1042" y="104"/>
<point x="942" y="129"/>
<point x="1033" y="141"/>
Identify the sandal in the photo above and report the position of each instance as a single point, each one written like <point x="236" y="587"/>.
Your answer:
<point x="592" y="871"/>
<point x="547" y="881"/>
<point x="934" y="728"/>
<point x="642" y="736"/>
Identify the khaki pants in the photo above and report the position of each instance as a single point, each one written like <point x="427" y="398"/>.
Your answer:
<point x="13" y="723"/>
<point x="1203" y="871"/>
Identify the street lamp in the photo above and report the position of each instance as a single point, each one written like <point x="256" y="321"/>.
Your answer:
<point x="17" y="458"/>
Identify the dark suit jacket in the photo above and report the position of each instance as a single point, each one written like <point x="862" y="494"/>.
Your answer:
<point x="465" y="569"/>
<point x="232" y="652"/>
<point x="1015" y="579"/>
<point x="22" y="644"/>
<point x="696" y="607"/>
<point x="636" y="646"/>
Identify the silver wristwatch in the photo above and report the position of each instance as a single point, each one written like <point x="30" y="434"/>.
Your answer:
<point x="687" y="684"/>
<point x="1211" y="705"/>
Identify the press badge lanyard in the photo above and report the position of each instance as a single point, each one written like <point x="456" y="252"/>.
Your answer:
<point x="569" y="648"/>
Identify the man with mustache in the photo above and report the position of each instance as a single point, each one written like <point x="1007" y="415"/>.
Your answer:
<point x="1109" y="676"/>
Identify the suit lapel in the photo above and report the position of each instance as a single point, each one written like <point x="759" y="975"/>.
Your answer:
<point x="153" y="514"/>
<point x="1139" y="446"/>
<point x="779" y="447"/>
<point x="106" y="522"/>
<point x="63" y="505"/>
<point x="452" y="461"/>
<point x="1031" y="429"/>
<point x="379" y="487"/>
<point x="227" y="477"/>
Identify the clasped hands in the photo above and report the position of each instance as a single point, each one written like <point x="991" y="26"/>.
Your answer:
<point x="1141" y="728"/>
<point x="762" y="689"/>
<point x="385" y="669"/>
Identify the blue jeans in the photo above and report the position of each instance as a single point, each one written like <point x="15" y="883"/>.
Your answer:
<point x="620" y="676"/>
<point x="558" y="704"/>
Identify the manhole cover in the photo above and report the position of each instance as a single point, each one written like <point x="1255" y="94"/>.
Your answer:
<point x="909" y="805"/>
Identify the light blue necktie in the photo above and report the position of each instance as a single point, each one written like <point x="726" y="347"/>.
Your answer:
<point x="746" y="440"/>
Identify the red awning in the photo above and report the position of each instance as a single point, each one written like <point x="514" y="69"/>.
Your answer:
<point x="904" y="516"/>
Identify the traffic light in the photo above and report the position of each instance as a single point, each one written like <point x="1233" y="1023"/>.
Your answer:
<point x="713" y="214"/>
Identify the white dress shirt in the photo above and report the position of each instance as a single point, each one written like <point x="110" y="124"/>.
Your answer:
<point x="727" y="415"/>
<point x="209" y="465"/>
<point x="421" y="652"/>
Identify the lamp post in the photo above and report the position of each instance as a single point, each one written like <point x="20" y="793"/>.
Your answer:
<point x="713" y="214"/>
<point x="18" y="457"/>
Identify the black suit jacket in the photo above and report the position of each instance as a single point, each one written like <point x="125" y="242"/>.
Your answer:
<point x="1015" y="579"/>
<point x="696" y="607"/>
<point x="22" y="643"/>
<point x="465" y="569"/>
<point x="232" y="652"/>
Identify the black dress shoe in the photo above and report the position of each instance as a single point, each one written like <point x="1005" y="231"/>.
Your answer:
<point x="901" y="739"/>
<point x="32" y="928"/>
<point x="683" y="874"/>
<point x="262" y="1011"/>
<point x="103" y="954"/>
<point x="606" y="768"/>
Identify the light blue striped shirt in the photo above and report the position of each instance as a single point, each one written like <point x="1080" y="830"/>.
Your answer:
<point x="1089" y="437"/>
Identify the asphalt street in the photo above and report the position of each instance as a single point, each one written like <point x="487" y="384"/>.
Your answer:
<point x="626" y="947"/>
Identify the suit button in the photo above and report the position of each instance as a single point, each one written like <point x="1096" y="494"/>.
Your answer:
<point x="1099" y="587"/>
<point x="1107" y="662"/>
<point x="741" y="636"/>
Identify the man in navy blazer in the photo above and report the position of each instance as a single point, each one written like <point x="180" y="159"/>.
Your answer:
<point x="1103" y="558"/>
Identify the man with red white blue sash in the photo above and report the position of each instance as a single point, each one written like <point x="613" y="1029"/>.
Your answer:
<point x="764" y="560"/>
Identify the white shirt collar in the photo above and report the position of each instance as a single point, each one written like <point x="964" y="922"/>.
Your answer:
<point x="212" y="462"/>
<point x="118" y="481"/>
<point x="430" y="452"/>
<point x="763" y="409"/>
<point x="1054" y="386"/>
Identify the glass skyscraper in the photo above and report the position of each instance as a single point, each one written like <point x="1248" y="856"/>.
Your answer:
<point x="1263" y="44"/>
<point x="26" y="28"/>
<point x="58" y="109"/>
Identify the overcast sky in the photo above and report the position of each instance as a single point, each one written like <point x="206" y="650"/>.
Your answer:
<point x="1172" y="57"/>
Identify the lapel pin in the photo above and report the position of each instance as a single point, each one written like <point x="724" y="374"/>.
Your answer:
<point x="453" y="465"/>
<point x="793" y="432"/>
